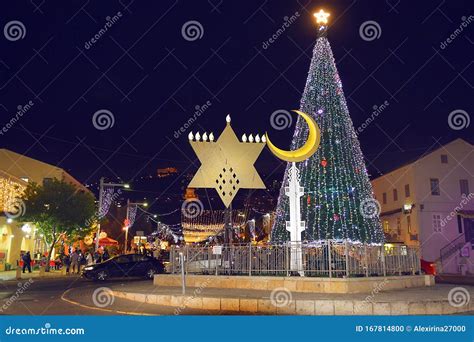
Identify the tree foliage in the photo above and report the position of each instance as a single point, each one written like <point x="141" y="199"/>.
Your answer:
<point x="57" y="209"/>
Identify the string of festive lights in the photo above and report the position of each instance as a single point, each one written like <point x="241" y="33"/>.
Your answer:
<point x="164" y="231"/>
<point x="107" y="199"/>
<point x="335" y="178"/>
<point x="10" y="190"/>
<point x="210" y="220"/>
<point x="132" y="214"/>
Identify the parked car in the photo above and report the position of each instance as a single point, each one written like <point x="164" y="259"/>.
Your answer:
<point x="125" y="265"/>
<point x="428" y="267"/>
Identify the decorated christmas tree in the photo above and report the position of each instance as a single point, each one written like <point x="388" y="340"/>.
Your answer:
<point x="338" y="201"/>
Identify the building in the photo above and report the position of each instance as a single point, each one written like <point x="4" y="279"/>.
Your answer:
<point x="16" y="171"/>
<point x="429" y="203"/>
<point x="165" y="172"/>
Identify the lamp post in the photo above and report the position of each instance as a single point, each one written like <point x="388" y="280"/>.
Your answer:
<point x="127" y="220"/>
<point x="102" y="184"/>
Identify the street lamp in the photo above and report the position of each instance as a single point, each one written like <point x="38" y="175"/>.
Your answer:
<point x="101" y="190"/>
<point x="127" y="220"/>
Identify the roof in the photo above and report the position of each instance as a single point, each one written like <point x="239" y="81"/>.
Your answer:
<point x="14" y="156"/>
<point x="422" y="155"/>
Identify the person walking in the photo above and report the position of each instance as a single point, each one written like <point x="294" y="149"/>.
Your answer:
<point x="97" y="257"/>
<point x="89" y="260"/>
<point x="75" y="262"/>
<point x="57" y="263"/>
<point x="67" y="263"/>
<point x="106" y="254"/>
<point x="27" y="262"/>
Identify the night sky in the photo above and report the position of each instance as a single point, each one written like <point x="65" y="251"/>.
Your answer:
<point x="144" y="72"/>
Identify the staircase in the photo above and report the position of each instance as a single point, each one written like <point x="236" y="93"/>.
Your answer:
<point x="450" y="248"/>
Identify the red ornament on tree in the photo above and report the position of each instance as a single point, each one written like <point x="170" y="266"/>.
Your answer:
<point x="336" y="217"/>
<point x="324" y="162"/>
<point x="308" y="200"/>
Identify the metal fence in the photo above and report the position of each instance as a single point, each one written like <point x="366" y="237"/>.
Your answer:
<point x="326" y="259"/>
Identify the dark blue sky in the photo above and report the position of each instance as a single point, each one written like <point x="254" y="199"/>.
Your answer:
<point x="151" y="78"/>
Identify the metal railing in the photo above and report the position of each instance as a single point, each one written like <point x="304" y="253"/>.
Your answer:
<point x="326" y="259"/>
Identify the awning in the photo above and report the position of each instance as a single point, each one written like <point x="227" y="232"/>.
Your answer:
<point x="108" y="242"/>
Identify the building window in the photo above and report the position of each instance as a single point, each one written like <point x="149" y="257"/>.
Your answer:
<point x="407" y="190"/>
<point x="459" y="224"/>
<point x="386" y="226"/>
<point x="399" y="226"/>
<point x="464" y="186"/>
<point x="384" y="198"/>
<point x="444" y="159"/>
<point x="409" y="224"/>
<point x="434" y="184"/>
<point x="395" y="195"/>
<point x="437" y="223"/>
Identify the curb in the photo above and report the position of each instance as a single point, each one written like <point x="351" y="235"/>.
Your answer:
<point x="297" y="307"/>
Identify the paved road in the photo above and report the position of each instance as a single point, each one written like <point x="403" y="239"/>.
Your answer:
<point x="71" y="296"/>
<point x="76" y="296"/>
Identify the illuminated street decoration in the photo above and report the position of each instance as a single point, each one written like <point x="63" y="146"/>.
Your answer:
<point x="226" y="164"/>
<point x="11" y="190"/>
<point x="294" y="191"/>
<point x="335" y="178"/>
<point x="321" y="17"/>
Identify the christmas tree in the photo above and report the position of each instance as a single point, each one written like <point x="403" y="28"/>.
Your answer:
<point x="338" y="201"/>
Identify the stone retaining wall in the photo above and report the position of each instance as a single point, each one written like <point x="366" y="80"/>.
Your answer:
<point x="296" y="307"/>
<point x="298" y="284"/>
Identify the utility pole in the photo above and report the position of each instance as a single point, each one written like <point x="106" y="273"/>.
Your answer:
<point x="101" y="199"/>
<point x="101" y="185"/>
<point x="127" y="220"/>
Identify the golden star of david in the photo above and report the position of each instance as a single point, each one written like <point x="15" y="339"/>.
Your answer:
<point x="227" y="164"/>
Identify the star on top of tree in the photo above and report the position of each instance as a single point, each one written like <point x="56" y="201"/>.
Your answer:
<point x="321" y="17"/>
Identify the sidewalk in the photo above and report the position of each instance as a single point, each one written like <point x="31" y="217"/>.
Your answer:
<point x="447" y="278"/>
<point x="11" y="275"/>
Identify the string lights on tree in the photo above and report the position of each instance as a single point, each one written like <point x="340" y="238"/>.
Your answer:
<point x="335" y="177"/>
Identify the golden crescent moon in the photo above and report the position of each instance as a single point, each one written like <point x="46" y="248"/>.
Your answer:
<point x="305" y="151"/>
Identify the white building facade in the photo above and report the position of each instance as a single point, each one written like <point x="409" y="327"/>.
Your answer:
<point x="429" y="203"/>
<point x="16" y="237"/>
